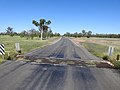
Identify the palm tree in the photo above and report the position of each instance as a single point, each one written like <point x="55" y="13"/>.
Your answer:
<point x="42" y="24"/>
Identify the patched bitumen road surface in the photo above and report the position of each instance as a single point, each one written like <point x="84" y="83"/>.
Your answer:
<point x="63" y="49"/>
<point x="19" y="75"/>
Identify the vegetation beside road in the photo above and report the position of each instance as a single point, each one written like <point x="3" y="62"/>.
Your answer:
<point x="99" y="47"/>
<point x="96" y="49"/>
<point x="25" y="45"/>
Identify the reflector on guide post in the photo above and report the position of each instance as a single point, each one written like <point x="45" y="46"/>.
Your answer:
<point x="17" y="45"/>
<point x="2" y="49"/>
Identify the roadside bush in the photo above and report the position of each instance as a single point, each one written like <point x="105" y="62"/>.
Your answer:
<point x="116" y="64"/>
<point x="118" y="57"/>
<point x="105" y="57"/>
<point x="0" y="60"/>
<point x="9" y="58"/>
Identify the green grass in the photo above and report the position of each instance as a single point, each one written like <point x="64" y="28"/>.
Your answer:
<point x="0" y="60"/>
<point x="25" y="45"/>
<point x="99" y="46"/>
<point x="96" y="49"/>
<point x="116" y="64"/>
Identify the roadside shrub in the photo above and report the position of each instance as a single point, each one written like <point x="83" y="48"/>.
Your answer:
<point x="116" y="64"/>
<point x="118" y="57"/>
<point x="19" y="52"/>
<point x="9" y="58"/>
<point x="0" y="60"/>
<point x="105" y="57"/>
<point x="88" y="36"/>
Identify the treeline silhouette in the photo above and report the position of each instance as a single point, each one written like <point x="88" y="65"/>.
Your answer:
<point x="30" y="33"/>
<point x="89" y="34"/>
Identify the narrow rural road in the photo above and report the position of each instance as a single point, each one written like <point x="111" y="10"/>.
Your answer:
<point x="16" y="75"/>
<point x="63" y="49"/>
<point x="19" y="75"/>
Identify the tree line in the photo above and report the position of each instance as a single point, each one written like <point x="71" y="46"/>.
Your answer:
<point x="44" y="31"/>
<point x="81" y="34"/>
<point x="89" y="34"/>
<point x="29" y="34"/>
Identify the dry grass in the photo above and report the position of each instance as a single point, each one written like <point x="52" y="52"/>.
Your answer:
<point x="25" y="45"/>
<point x="99" y="46"/>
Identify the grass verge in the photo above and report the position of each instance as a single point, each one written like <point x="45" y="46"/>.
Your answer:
<point x="25" y="45"/>
<point x="96" y="49"/>
<point x="99" y="47"/>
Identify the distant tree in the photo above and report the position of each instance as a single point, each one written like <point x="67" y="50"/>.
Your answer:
<point x="45" y="31"/>
<point x="50" y="33"/>
<point x="40" y="25"/>
<point x="80" y="35"/>
<point x="15" y="33"/>
<point x="83" y="32"/>
<point x="57" y="34"/>
<point x="45" y="28"/>
<point x="43" y="25"/>
<point x="89" y="33"/>
<point x="10" y="31"/>
<point x="75" y="34"/>
<point x="29" y="34"/>
<point x="67" y="34"/>
<point x="23" y="34"/>
<point x="32" y="33"/>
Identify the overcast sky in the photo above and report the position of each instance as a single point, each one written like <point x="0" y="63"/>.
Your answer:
<point x="99" y="16"/>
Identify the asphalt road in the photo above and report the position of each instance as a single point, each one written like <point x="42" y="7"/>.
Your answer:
<point x="63" y="49"/>
<point x="16" y="75"/>
<point x="19" y="75"/>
